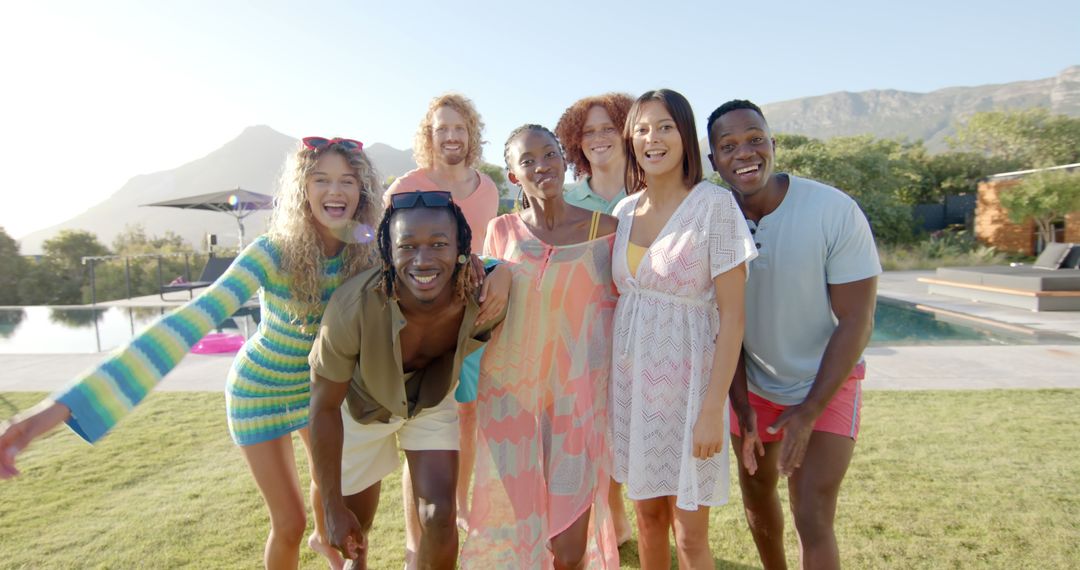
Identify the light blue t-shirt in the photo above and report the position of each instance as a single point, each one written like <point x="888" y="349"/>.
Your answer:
<point x="580" y="194"/>
<point x="817" y="236"/>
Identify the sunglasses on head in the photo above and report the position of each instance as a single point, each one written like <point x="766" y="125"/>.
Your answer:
<point x="429" y="199"/>
<point x="319" y="143"/>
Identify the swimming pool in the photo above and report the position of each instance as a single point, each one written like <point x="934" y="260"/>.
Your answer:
<point x="51" y="330"/>
<point x="897" y="323"/>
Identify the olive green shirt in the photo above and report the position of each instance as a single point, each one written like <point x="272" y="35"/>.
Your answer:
<point x="359" y="343"/>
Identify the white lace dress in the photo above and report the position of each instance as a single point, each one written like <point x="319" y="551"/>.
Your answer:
<point x="665" y="328"/>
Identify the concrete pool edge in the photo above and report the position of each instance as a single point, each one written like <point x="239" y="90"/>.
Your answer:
<point x="903" y="286"/>
<point x="890" y="367"/>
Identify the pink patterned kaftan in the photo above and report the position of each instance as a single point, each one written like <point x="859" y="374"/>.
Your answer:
<point x="542" y="454"/>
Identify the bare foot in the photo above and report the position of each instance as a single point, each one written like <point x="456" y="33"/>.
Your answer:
<point x="332" y="556"/>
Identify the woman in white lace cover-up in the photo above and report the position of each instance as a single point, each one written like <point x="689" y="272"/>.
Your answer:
<point x="679" y="263"/>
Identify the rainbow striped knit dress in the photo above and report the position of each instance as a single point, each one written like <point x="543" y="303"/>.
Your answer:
<point x="268" y="387"/>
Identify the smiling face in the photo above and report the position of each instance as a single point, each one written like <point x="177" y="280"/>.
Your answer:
<point x="333" y="191"/>
<point x="657" y="143"/>
<point x="536" y="163"/>
<point x="743" y="151"/>
<point x="450" y="136"/>
<point x="600" y="139"/>
<point x="424" y="250"/>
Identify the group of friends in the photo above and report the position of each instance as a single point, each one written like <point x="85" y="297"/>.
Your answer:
<point x="610" y="339"/>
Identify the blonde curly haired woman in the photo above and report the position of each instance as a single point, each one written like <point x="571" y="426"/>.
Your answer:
<point x="329" y="189"/>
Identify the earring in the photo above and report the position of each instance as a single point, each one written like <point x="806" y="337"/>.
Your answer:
<point x="461" y="259"/>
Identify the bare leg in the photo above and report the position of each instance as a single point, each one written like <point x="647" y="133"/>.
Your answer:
<point x="364" y="505"/>
<point x="813" y="490"/>
<point x="761" y="503"/>
<point x="273" y="465"/>
<point x="317" y="540"/>
<point x="623" y="531"/>
<point x="568" y="547"/>
<point x="434" y="480"/>
<point x="654" y="520"/>
<point x="412" y="519"/>
<point x="467" y="427"/>
<point x="692" y="538"/>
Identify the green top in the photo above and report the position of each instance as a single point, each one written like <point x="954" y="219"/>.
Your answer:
<point x="359" y="342"/>
<point x="580" y="194"/>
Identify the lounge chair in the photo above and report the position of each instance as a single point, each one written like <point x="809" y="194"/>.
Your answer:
<point x="215" y="267"/>
<point x="1052" y="283"/>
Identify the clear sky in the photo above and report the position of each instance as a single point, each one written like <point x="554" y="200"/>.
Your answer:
<point x="97" y="92"/>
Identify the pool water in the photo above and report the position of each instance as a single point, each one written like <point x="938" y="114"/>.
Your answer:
<point x="897" y="323"/>
<point x="52" y="330"/>
<point x="37" y="330"/>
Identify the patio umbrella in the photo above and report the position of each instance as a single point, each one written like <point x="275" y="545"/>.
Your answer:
<point x="237" y="203"/>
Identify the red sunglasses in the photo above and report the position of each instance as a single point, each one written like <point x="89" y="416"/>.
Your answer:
<point x="319" y="143"/>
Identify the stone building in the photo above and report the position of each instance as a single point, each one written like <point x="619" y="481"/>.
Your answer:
<point x="992" y="224"/>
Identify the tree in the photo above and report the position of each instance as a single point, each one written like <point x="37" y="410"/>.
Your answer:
<point x="959" y="173"/>
<point x="879" y="174"/>
<point x="58" y="278"/>
<point x="497" y="176"/>
<point x="12" y="269"/>
<point x="69" y="247"/>
<point x="141" y="272"/>
<point x="1044" y="197"/>
<point x="1032" y="138"/>
<point x="43" y="284"/>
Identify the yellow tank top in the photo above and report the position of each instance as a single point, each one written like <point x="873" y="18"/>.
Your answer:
<point x="634" y="254"/>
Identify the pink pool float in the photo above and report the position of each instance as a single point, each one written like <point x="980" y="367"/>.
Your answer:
<point x="217" y="343"/>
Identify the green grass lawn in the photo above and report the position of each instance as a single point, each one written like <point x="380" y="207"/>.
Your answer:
<point x="939" y="480"/>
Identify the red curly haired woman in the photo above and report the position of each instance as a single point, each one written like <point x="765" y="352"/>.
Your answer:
<point x="591" y="129"/>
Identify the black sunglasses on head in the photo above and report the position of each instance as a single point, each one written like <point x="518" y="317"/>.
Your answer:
<point x="429" y="199"/>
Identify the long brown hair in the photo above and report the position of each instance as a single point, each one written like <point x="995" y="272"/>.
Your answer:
<point x="683" y="115"/>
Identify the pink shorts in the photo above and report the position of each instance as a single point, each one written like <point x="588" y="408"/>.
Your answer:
<point x="841" y="416"/>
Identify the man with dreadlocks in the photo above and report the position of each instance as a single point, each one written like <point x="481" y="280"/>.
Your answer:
<point x="390" y="347"/>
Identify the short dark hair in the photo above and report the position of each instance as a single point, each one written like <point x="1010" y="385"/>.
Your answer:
<point x="733" y="105"/>
<point x="683" y="115"/>
<point x="462" y="273"/>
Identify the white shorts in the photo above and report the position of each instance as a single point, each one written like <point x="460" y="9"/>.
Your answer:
<point x="368" y="453"/>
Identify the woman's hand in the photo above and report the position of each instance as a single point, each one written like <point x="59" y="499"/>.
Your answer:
<point x="17" y="433"/>
<point x="494" y="294"/>
<point x="708" y="435"/>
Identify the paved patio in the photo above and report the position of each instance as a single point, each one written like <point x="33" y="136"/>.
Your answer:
<point x="890" y="368"/>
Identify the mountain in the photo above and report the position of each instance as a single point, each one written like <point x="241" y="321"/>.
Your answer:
<point x="390" y="161"/>
<point x="927" y="116"/>
<point x="918" y="116"/>
<point x="252" y="161"/>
